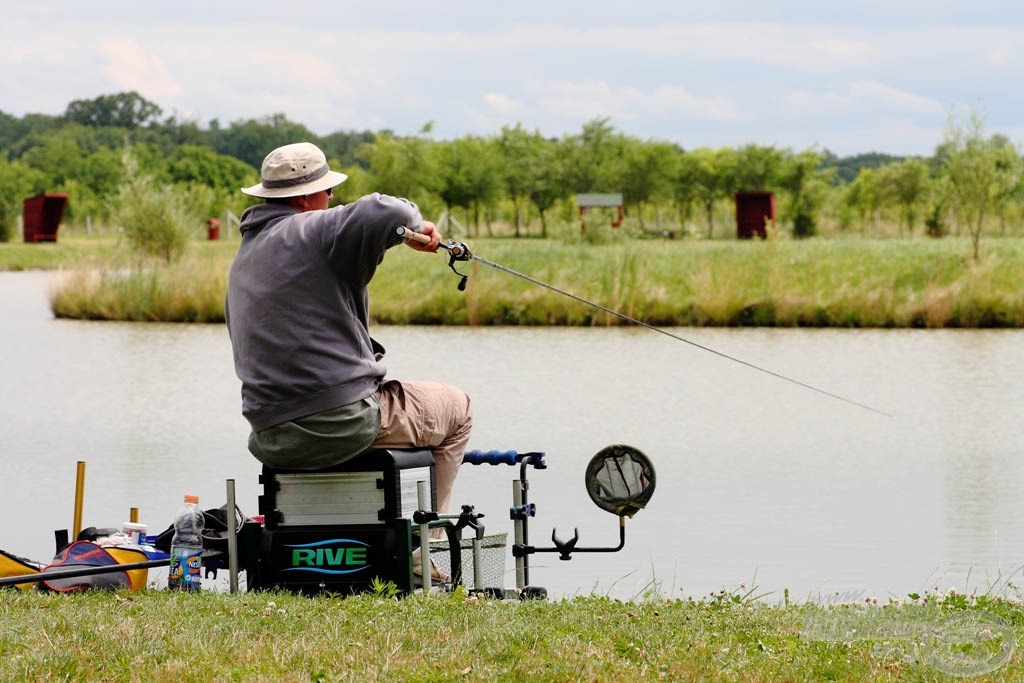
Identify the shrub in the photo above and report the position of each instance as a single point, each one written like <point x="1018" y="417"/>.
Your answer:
<point x="157" y="219"/>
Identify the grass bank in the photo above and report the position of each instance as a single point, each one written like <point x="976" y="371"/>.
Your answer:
<point x="157" y="635"/>
<point x="68" y="253"/>
<point x="855" y="282"/>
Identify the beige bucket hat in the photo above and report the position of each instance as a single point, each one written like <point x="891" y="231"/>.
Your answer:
<point x="295" y="170"/>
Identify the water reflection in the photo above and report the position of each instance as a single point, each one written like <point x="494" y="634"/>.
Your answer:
<point x="760" y="481"/>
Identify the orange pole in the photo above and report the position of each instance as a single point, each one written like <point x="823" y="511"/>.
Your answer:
<point x="76" y="528"/>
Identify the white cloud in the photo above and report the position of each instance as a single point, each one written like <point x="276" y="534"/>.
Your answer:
<point x="592" y="99"/>
<point x="858" y="100"/>
<point x="889" y="135"/>
<point x="500" y="103"/>
<point x="1001" y="54"/>
<point x="134" y="68"/>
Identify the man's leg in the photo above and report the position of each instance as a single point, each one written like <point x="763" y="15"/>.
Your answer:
<point x="427" y="414"/>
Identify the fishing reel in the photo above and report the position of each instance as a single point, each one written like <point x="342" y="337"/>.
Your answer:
<point x="457" y="251"/>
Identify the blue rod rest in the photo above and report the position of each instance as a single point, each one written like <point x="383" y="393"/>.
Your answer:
<point x="502" y="458"/>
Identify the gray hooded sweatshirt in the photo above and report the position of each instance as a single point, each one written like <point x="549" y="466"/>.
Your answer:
<point x="297" y="308"/>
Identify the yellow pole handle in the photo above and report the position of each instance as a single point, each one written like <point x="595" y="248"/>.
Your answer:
<point x="76" y="528"/>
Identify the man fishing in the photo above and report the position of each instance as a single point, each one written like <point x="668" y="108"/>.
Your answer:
<point x="297" y="310"/>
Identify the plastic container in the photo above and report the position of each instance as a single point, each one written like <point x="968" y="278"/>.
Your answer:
<point x="135" y="532"/>
<point x="186" y="566"/>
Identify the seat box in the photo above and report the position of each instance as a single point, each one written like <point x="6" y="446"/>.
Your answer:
<point x="373" y="488"/>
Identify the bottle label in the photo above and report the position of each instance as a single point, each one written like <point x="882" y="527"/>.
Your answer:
<point x="185" y="569"/>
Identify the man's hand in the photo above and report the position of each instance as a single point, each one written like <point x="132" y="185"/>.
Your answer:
<point x="429" y="230"/>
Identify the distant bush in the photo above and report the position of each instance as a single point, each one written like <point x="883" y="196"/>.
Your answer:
<point x="157" y="219"/>
<point x="7" y="227"/>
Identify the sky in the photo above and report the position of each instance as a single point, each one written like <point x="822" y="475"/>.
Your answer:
<point x="850" y="77"/>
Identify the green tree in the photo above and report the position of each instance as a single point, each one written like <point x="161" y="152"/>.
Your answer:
<point x="905" y="183"/>
<point x="520" y="154"/>
<point x="358" y="183"/>
<point x="342" y="146"/>
<point x="128" y="110"/>
<point x="198" y="164"/>
<point x="14" y="130"/>
<point x="93" y="184"/>
<point x="18" y="182"/>
<point x="57" y="155"/>
<point x="971" y="164"/>
<point x="157" y="218"/>
<point x="706" y="175"/>
<point x="757" y="168"/>
<point x="1009" y="177"/>
<point x="252" y="140"/>
<point x="848" y="168"/>
<point x="548" y="182"/>
<point x="936" y="223"/>
<point x="647" y="174"/>
<point x="863" y="197"/>
<point x="802" y="178"/>
<point x="594" y="158"/>
<point x="402" y="167"/>
<point x="467" y="173"/>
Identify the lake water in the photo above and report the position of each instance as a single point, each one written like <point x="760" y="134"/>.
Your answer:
<point x="760" y="482"/>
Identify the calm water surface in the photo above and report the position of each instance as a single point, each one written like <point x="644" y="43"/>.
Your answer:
<point x="760" y="482"/>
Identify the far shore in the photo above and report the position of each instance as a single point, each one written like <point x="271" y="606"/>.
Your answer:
<point x="820" y="282"/>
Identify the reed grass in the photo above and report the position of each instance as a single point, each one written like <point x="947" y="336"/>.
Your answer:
<point x="191" y="290"/>
<point x="851" y="282"/>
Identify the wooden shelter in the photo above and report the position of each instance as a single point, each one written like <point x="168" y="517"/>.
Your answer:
<point x="586" y="202"/>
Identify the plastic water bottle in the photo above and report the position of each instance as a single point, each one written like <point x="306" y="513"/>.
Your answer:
<point x="187" y="547"/>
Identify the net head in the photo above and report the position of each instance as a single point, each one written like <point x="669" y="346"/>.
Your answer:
<point x="620" y="479"/>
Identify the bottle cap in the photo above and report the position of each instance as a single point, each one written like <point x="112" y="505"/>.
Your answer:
<point x="189" y="498"/>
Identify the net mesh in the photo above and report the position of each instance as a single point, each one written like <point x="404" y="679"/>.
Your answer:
<point x="492" y="560"/>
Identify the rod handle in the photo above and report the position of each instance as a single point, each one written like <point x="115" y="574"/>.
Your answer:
<point x="412" y="235"/>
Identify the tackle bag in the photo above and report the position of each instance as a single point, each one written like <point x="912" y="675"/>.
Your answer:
<point x="12" y="565"/>
<point x="84" y="554"/>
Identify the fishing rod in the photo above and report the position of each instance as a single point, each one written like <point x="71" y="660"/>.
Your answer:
<point x="458" y="251"/>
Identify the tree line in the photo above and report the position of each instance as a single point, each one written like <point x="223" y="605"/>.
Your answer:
<point x="517" y="178"/>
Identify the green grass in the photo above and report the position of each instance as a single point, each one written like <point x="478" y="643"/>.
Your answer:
<point x="158" y="635"/>
<point x="851" y="282"/>
<point x="67" y="253"/>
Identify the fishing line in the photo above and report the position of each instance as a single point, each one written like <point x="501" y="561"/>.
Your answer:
<point x="460" y="252"/>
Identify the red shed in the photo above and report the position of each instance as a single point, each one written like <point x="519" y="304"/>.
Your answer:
<point x="42" y="215"/>
<point x="753" y="212"/>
